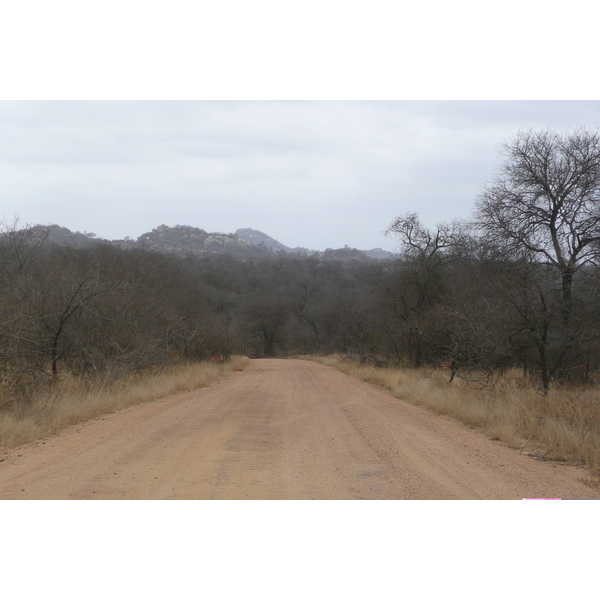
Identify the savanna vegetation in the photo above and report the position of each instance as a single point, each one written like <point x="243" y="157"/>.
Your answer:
<point x="502" y="308"/>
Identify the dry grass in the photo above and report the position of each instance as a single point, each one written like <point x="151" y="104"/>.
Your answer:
<point x="73" y="402"/>
<point x="562" y="426"/>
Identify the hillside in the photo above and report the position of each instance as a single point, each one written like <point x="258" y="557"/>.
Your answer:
<point x="184" y="240"/>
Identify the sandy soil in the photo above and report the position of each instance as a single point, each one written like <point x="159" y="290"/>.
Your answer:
<point x="281" y="429"/>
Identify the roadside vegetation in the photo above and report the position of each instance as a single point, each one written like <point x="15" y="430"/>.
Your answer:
<point x="72" y="400"/>
<point x="562" y="425"/>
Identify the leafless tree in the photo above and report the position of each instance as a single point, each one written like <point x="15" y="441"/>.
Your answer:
<point x="415" y="284"/>
<point x="545" y="201"/>
<point x="430" y="248"/>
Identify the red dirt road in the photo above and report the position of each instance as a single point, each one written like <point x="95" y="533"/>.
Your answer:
<point x="281" y="429"/>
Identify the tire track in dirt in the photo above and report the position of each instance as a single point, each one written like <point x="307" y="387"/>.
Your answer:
<point x="281" y="429"/>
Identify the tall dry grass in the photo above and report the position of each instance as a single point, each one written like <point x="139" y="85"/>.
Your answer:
<point x="73" y="401"/>
<point x="563" y="425"/>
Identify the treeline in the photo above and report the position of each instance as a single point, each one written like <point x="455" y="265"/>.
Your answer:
<point x="516" y="287"/>
<point x="102" y="312"/>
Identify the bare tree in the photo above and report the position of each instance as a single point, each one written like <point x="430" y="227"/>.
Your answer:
<point x="412" y="287"/>
<point x="430" y="248"/>
<point x="545" y="201"/>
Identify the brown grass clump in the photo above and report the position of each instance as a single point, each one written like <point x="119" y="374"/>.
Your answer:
<point x="74" y="401"/>
<point x="563" y="425"/>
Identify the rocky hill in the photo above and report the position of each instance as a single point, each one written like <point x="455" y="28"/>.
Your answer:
<point x="183" y="240"/>
<point x="258" y="238"/>
<point x="64" y="237"/>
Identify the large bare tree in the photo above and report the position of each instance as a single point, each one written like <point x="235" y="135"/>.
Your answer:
<point x="545" y="201"/>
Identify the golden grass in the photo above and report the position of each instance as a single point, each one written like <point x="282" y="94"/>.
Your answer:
<point x="564" y="425"/>
<point x="74" y="402"/>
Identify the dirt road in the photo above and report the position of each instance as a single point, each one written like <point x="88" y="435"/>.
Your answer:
<point x="281" y="429"/>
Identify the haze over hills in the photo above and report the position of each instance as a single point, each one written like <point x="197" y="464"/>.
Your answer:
<point x="183" y="240"/>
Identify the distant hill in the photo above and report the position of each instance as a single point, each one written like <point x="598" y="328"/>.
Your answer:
<point x="65" y="237"/>
<point x="184" y="240"/>
<point x="379" y="254"/>
<point x="258" y="238"/>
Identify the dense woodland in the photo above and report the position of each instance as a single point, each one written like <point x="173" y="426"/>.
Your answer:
<point x="518" y="286"/>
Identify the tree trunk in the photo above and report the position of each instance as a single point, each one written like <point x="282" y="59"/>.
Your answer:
<point x="544" y="374"/>
<point x="268" y="336"/>
<point x="567" y="285"/>
<point x="54" y="355"/>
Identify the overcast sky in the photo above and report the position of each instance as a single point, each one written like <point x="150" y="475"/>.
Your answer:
<point x="112" y="122"/>
<point x="317" y="174"/>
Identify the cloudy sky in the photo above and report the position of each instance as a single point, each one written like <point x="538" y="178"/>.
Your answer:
<point x="309" y="173"/>
<point x="317" y="126"/>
